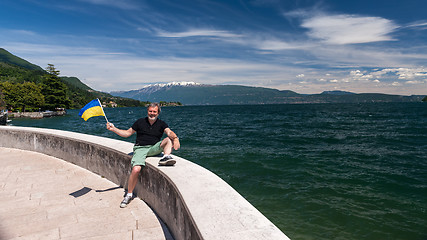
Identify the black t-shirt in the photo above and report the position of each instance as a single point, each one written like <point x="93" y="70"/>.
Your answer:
<point x="147" y="134"/>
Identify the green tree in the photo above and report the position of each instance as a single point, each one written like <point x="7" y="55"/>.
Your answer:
<point x="9" y="91"/>
<point x="54" y="90"/>
<point x="52" y="70"/>
<point x="31" y="96"/>
<point x="22" y="96"/>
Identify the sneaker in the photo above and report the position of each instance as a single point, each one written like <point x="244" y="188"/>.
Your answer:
<point x="126" y="201"/>
<point x="167" y="161"/>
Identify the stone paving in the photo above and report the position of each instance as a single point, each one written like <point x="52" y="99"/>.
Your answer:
<point x="43" y="197"/>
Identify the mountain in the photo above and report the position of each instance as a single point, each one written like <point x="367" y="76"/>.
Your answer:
<point x="337" y="92"/>
<point x="201" y="94"/>
<point x="9" y="58"/>
<point x="76" y="83"/>
<point x="190" y="93"/>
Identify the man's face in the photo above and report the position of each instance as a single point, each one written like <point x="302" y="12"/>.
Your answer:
<point x="153" y="113"/>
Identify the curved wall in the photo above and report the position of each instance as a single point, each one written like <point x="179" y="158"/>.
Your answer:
<point x="192" y="201"/>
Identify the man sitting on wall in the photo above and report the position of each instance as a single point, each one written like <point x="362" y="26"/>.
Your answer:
<point x="149" y="131"/>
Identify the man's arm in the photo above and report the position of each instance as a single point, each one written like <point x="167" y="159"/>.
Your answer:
<point x="120" y="132"/>
<point x="174" y="138"/>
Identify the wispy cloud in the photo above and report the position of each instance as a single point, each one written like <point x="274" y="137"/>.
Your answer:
<point x="274" y="44"/>
<point x="23" y="32"/>
<point x="418" y="25"/>
<point x="198" y="33"/>
<point x="122" y="4"/>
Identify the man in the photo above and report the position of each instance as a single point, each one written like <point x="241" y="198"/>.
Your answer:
<point x="149" y="131"/>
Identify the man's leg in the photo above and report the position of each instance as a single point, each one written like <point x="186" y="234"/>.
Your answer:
<point x="167" y="160"/>
<point x="166" y="145"/>
<point x="133" y="178"/>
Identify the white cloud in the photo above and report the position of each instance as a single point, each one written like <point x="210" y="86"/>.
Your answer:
<point x="349" y="29"/>
<point x="356" y="73"/>
<point x="414" y="82"/>
<point x="403" y="73"/>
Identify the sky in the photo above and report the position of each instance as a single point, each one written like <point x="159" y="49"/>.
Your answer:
<point x="307" y="46"/>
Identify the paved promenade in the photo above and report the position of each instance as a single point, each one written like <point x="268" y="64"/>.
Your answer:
<point x="43" y="197"/>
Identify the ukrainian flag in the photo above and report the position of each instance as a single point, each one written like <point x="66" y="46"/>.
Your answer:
<point x="92" y="109"/>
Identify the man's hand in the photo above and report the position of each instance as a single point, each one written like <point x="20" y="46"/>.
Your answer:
<point x="110" y="126"/>
<point x="176" y="144"/>
<point x="174" y="138"/>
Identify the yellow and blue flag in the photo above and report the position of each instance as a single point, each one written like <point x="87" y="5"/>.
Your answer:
<point x="92" y="109"/>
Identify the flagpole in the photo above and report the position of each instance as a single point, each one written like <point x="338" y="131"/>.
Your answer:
<point x="102" y="110"/>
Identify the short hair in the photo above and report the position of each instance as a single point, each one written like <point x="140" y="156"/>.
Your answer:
<point x="154" y="104"/>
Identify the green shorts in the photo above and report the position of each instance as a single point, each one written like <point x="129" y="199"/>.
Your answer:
<point x="140" y="153"/>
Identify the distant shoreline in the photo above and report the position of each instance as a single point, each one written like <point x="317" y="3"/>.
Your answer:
<point x="36" y="115"/>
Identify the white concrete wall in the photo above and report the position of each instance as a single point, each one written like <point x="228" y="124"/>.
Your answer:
<point x="192" y="201"/>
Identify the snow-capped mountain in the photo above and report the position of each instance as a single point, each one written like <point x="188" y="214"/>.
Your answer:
<point x="158" y="86"/>
<point x="152" y="88"/>
<point x="172" y="84"/>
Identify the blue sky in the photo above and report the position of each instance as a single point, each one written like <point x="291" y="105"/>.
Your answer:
<point x="300" y="45"/>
